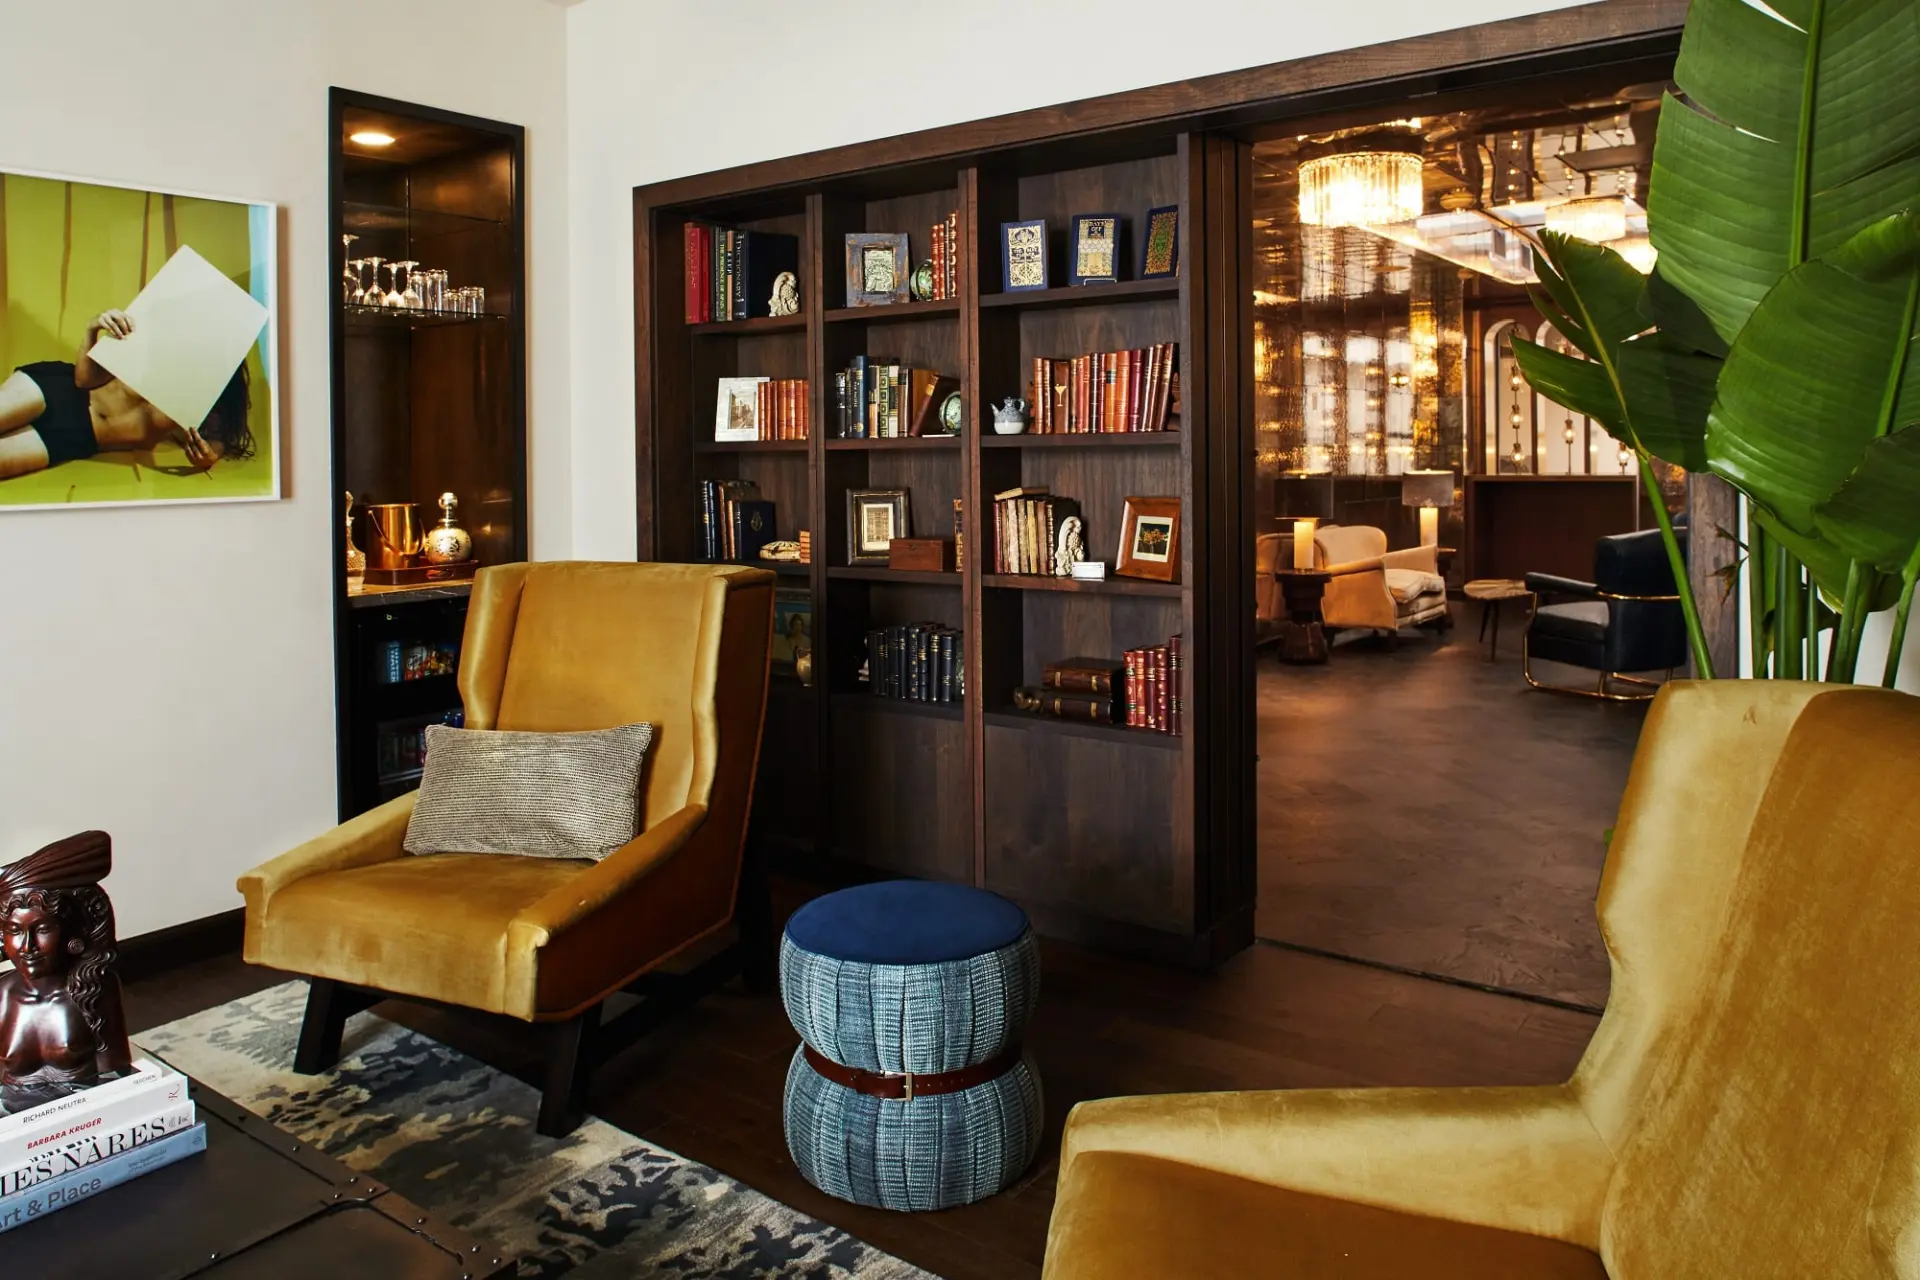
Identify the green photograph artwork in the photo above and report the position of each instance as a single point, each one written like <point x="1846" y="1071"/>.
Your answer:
<point x="137" y="333"/>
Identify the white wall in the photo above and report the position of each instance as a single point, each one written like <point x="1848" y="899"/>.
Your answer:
<point x="166" y="674"/>
<point x="663" y="88"/>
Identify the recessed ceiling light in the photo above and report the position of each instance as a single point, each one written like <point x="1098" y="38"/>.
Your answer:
<point x="371" y="138"/>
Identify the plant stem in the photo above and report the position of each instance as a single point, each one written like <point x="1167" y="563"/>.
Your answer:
<point x="1839" y="660"/>
<point x="1696" y="635"/>
<point x="1788" y="616"/>
<point x="1898" y="640"/>
<point x="1759" y="566"/>
<point x="1803" y="150"/>
<point x="1812" y="667"/>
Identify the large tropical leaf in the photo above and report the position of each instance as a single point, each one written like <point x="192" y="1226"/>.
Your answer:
<point x="1644" y="389"/>
<point x="1875" y="517"/>
<point x="1821" y="369"/>
<point x="1795" y="128"/>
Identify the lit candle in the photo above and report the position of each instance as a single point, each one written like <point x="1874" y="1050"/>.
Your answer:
<point x="1303" y="543"/>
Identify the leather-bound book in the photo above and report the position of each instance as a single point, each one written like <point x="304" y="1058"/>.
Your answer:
<point x="1085" y="675"/>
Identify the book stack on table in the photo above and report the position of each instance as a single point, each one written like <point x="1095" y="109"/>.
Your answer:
<point x="75" y="1147"/>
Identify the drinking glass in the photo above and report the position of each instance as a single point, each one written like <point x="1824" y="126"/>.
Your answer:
<point x="371" y="297"/>
<point x="410" y="296"/>
<point x="437" y="289"/>
<point x="349" y="276"/>
<point x="392" y="298"/>
<point x="479" y="300"/>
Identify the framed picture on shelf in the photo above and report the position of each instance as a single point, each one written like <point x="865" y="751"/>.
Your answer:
<point x="736" y="413"/>
<point x="1150" y="540"/>
<point x="1023" y="255"/>
<point x="878" y="269"/>
<point x="875" y="517"/>
<point x="1160" y="244"/>
<point x="1096" y="248"/>
<point x="792" y="627"/>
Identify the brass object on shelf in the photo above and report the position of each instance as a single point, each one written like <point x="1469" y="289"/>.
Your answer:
<point x="356" y="558"/>
<point x="447" y="542"/>
<point x="396" y="534"/>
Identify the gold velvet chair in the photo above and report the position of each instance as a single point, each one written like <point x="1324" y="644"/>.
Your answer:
<point x="1373" y="587"/>
<point x="554" y="648"/>
<point x="1748" y="1106"/>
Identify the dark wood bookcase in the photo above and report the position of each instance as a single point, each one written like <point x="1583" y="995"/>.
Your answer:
<point x="1096" y="829"/>
<point x="424" y="403"/>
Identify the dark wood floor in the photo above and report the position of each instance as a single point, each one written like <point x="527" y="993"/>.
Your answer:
<point x="1422" y="807"/>
<point x="709" y="1085"/>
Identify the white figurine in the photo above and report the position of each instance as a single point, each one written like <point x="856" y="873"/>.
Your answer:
<point x="1069" y="548"/>
<point x="786" y="295"/>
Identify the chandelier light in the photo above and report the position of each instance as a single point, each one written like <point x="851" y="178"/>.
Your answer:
<point x="1377" y="182"/>
<point x="1595" y="218"/>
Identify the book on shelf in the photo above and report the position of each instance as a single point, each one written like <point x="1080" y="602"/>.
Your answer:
<point x="1091" y="708"/>
<point x="1106" y="392"/>
<point x="944" y="240"/>
<point x="1027" y="522"/>
<point x="69" y="1189"/>
<point x="730" y="272"/>
<point x="879" y="398"/>
<point x="915" y="662"/>
<point x="735" y="521"/>
<point x="783" y="409"/>
<point x="1153" y="688"/>
<point x="959" y="537"/>
<point x="1084" y="675"/>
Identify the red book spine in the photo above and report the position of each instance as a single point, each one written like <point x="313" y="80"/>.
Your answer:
<point x="1132" y="657"/>
<point x="806" y="409"/>
<point x="1176" y="704"/>
<point x="1162" y="700"/>
<point x="1136" y="383"/>
<point x="688" y="238"/>
<point x="1123" y="390"/>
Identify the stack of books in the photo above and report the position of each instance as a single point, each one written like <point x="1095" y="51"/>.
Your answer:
<point x="73" y="1148"/>
<point x="916" y="662"/>
<point x="1027" y="524"/>
<point x="730" y="273"/>
<point x="782" y="410"/>
<point x="1107" y="391"/>
<point x="1091" y="689"/>
<point x="1152" y="688"/>
<point x="877" y="397"/>
<point x="806" y="547"/>
<point x="945" y="239"/>
<point x="735" y="522"/>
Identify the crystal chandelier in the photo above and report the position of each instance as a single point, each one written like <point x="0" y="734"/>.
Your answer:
<point x="1377" y="183"/>
<point x="1598" y="219"/>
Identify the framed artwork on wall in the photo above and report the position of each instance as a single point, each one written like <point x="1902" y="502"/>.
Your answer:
<point x="1096" y="248"/>
<point x="875" y="517"/>
<point x="1023" y="255"/>
<point x="140" y="361"/>
<point x="1150" y="540"/>
<point x="878" y="270"/>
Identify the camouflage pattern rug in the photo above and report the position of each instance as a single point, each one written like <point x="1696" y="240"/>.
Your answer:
<point x="456" y="1136"/>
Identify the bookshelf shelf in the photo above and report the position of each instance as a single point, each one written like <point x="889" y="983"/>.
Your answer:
<point x="863" y="573"/>
<point x="1084" y="295"/>
<point x="899" y="706"/>
<point x="943" y="310"/>
<point x="898" y="442"/>
<point x="1084" y="440"/>
<point x="1104" y="587"/>
<point x="1031" y="722"/>
<point x="758" y="324"/>
<point x="785" y="568"/>
<point x="750" y="446"/>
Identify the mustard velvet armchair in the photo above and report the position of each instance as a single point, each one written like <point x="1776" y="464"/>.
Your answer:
<point x="553" y="648"/>
<point x="1373" y="587"/>
<point x="1748" y="1106"/>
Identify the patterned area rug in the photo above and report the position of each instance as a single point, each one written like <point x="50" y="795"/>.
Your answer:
<point x="453" y="1134"/>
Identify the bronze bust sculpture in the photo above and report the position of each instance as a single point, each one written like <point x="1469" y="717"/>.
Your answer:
<point x="61" y="1024"/>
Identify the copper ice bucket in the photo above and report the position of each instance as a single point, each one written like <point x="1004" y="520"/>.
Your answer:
<point x="396" y="534"/>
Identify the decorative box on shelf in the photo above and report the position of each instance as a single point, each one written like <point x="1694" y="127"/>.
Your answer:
<point x="922" y="555"/>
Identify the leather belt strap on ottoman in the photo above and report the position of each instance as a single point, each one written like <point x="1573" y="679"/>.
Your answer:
<point x="906" y="1086"/>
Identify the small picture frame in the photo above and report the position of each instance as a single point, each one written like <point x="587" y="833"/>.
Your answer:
<point x="1096" y="248"/>
<point x="736" y="411"/>
<point x="792" y="627"/>
<point x="875" y="517"/>
<point x="1023" y="255"/>
<point x="1150" y="540"/>
<point x="879" y="271"/>
<point x="1160" y="244"/>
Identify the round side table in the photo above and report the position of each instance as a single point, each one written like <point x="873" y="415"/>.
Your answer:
<point x="1490" y="592"/>
<point x="1302" y="638"/>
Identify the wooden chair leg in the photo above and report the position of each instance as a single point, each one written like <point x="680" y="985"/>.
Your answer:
<point x="328" y="1006"/>
<point x="570" y="1059"/>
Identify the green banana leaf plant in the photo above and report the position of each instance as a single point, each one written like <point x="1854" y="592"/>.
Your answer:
<point x="1773" y="343"/>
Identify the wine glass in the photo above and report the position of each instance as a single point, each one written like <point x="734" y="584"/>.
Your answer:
<point x="349" y="277"/>
<point x="371" y="297"/>
<point x="392" y="298"/>
<point x="410" y="296"/>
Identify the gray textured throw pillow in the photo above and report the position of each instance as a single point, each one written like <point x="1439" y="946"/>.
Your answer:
<point x="545" y="795"/>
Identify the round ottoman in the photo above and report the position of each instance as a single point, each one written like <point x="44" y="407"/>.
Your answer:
<point x="910" y="1089"/>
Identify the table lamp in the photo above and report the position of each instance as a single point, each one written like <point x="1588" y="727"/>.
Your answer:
<point x="1303" y="542"/>
<point x="1429" y="491"/>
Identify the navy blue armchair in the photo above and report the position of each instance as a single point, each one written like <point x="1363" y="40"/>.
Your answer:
<point x="1627" y="619"/>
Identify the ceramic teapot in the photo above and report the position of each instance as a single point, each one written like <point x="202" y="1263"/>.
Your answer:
<point x="1010" y="417"/>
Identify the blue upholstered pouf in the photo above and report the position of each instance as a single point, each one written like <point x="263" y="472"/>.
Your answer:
<point x="910" y="976"/>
